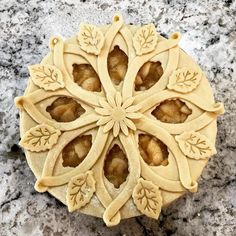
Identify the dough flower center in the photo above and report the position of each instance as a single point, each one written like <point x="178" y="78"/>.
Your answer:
<point x="117" y="114"/>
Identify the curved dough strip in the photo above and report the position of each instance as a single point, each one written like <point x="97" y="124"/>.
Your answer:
<point x="36" y="115"/>
<point x="75" y="50"/>
<point x="138" y="61"/>
<point x="195" y="124"/>
<point x="47" y="180"/>
<point x="127" y="35"/>
<point x="172" y="64"/>
<point x="54" y="153"/>
<point x="134" y="174"/>
<point x="102" y="57"/>
<point x="165" y="184"/>
<point x="71" y="86"/>
<point x="148" y="126"/>
<point x="101" y="192"/>
<point x="151" y="101"/>
<point x="40" y="94"/>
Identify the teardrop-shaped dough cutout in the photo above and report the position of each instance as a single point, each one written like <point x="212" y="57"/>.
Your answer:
<point x="76" y="151"/>
<point x="65" y="109"/>
<point x="148" y="75"/>
<point x="117" y="63"/>
<point x="172" y="111"/>
<point x="116" y="166"/>
<point x="152" y="150"/>
<point x="86" y="77"/>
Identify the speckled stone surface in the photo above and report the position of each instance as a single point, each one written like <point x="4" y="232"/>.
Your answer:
<point x="208" y="35"/>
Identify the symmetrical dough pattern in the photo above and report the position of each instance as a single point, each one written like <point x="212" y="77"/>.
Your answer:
<point x="149" y="122"/>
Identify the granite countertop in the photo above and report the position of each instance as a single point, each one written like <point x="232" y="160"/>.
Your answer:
<point x="208" y="35"/>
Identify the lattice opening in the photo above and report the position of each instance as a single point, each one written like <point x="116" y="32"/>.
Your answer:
<point x="117" y="63"/>
<point x="86" y="77"/>
<point x="76" y="151"/>
<point x="148" y="75"/>
<point x="65" y="109"/>
<point x="153" y="151"/>
<point x="172" y="111"/>
<point x="116" y="166"/>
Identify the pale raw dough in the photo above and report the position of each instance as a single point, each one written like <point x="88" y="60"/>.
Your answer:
<point x="122" y="110"/>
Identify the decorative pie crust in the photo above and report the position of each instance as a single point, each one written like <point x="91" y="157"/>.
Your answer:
<point x="117" y="121"/>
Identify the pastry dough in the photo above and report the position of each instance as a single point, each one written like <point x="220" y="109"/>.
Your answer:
<point x="117" y="121"/>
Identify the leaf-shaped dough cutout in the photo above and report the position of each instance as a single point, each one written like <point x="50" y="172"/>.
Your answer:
<point x="145" y="39"/>
<point x="91" y="38"/>
<point x="184" y="80"/>
<point x="47" y="77"/>
<point x="80" y="190"/>
<point x="147" y="198"/>
<point x="195" y="145"/>
<point x="40" y="138"/>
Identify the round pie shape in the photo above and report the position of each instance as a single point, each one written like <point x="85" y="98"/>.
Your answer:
<point x="117" y="121"/>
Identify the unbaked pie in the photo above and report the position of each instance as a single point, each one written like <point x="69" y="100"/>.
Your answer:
<point x="117" y="121"/>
